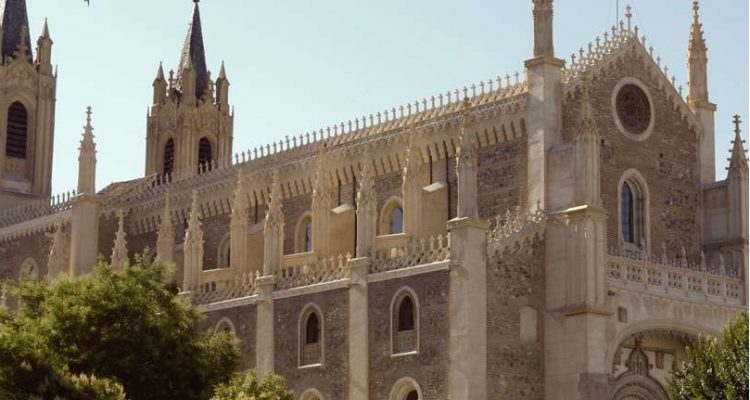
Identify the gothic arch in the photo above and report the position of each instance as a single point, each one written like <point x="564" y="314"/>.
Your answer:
<point x="392" y="207"/>
<point x="404" y="389"/>
<point x="632" y="180"/>
<point x="666" y="327"/>
<point x="168" y="156"/>
<point x="636" y="383"/>
<point x="403" y="339"/>
<point x="303" y="240"/>
<point x="223" y="252"/>
<point x="311" y="394"/>
<point x="225" y="325"/>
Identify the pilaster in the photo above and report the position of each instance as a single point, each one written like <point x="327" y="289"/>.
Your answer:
<point x="366" y="209"/>
<point x="193" y="248"/>
<point x="321" y="211"/>
<point x="165" y="237"/>
<point x="467" y="310"/>
<point x="264" y="339"/>
<point x="359" y="363"/>
<point x="273" y="231"/>
<point x="84" y="233"/>
<point x="238" y="227"/>
<point x="412" y="190"/>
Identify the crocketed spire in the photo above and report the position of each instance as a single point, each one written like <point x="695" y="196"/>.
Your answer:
<point x="738" y="160"/>
<point x="697" y="41"/>
<point x="15" y="28"/>
<point x="194" y="55"/>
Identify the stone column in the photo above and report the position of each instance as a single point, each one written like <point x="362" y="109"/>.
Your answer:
<point x="412" y="189"/>
<point x="467" y="293"/>
<point x="193" y="248"/>
<point x="264" y="339"/>
<point x="359" y="355"/>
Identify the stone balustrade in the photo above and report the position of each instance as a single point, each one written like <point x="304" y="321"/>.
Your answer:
<point x="516" y="224"/>
<point x="325" y="270"/>
<point x="36" y="209"/>
<point x="424" y="251"/>
<point x="241" y="285"/>
<point x="677" y="279"/>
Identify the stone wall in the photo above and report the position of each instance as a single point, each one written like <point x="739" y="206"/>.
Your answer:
<point x="667" y="159"/>
<point x="501" y="177"/>
<point x="331" y="379"/>
<point x="243" y="320"/>
<point x="515" y="279"/>
<point x="429" y="366"/>
<point x="14" y="253"/>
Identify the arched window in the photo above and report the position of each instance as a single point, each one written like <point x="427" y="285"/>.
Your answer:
<point x="28" y="270"/>
<point x="392" y="217"/>
<point x="204" y="151"/>
<point x="18" y="123"/>
<point x="404" y="322"/>
<point x="224" y="252"/>
<point x="311" y="336"/>
<point x="406" y="389"/>
<point x="633" y="211"/>
<point x="304" y="242"/>
<point x="225" y="325"/>
<point x="169" y="156"/>
<point x="311" y="394"/>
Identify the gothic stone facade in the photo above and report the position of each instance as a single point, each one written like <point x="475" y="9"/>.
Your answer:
<point x="558" y="234"/>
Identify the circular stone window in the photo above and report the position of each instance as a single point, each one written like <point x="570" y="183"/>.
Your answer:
<point x="633" y="109"/>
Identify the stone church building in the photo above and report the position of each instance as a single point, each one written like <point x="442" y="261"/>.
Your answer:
<point x="555" y="234"/>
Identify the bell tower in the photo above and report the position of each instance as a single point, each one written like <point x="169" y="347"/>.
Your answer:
<point x="190" y="123"/>
<point x="27" y="109"/>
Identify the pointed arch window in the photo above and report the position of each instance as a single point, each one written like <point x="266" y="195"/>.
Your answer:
<point x="304" y="238"/>
<point x="404" y="326"/>
<point x="311" y="337"/>
<point x="169" y="157"/>
<point x="204" y="152"/>
<point x="413" y="395"/>
<point x="397" y="221"/>
<point x="17" y="131"/>
<point x="633" y="212"/>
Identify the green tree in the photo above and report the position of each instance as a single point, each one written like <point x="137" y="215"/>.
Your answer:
<point x="712" y="369"/>
<point x="247" y="387"/>
<point x="129" y="327"/>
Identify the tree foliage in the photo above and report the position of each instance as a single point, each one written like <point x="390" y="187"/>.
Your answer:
<point x="247" y="387"/>
<point x="713" y="369"/>
<point x="93" y="333"/>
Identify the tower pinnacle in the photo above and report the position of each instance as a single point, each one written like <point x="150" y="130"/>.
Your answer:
<point x="697" y="60"/>
<point x="15" y="25"/>
<point x="194" y="55"/>
<point x="738" y="161"/>
<point x="87" y="158"/>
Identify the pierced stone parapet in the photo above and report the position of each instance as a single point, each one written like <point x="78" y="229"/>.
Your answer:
<point x="326" y="270"/>
<point x="213" y="292"/>
<point x="516" y="224"/>
<point x="36" y="209"/>
<point x="674" y="279"/>
<point x="424" y="251"/>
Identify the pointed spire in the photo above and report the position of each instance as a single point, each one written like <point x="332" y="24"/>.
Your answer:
<point x="738" y="161"/>
<point x="87" y="158"/>
<point x="543" y="36"/>
<point x="120" y="250"/>
<point x="222" y="71"/>
<point x="697" y="41"/>
<point x="15" y="28"/>
<point x="45" y="30"/>
<point x="160" y="72"/>
<point x="194" y="55"/>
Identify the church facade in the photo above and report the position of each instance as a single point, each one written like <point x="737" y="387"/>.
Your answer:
<point x="556" y="234"/>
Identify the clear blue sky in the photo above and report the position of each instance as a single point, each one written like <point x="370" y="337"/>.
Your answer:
<point x="301" y="65"/>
